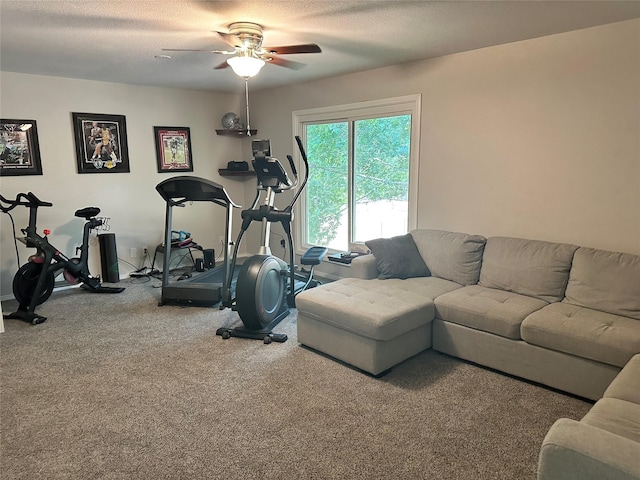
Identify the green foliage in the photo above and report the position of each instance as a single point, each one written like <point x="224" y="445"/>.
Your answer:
<point x="382" y="158"/>
<point x="382" y="148"/>
<point x="327" y="189"/>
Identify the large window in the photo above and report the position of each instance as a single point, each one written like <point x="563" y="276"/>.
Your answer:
<point x="363" y="172"/>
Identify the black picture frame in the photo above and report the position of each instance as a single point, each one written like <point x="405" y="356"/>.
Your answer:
<point x="101" y="143"/>
<point x="19" y="148"/>
<point x="173" y="149"/>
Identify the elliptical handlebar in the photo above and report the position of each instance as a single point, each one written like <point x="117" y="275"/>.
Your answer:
<point x="306" y="170"/>
<point x="301" y="148"/>
<point x="30" y="201"/>
<point x="294" y="184"/>
<point x="293" y="166"/>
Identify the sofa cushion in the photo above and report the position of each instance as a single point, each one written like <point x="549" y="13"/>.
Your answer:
<point x="607" y="281"/>
<point x="626" y="386"/>
<point x="377" y="309"/>
<point x="397" y="257"/>
<point x="487" y="309"/>
<point x="583" y="332"/>
<point x="615" y="416"/>
<point x="528" y="267"/>
<point x="451" y="255"/>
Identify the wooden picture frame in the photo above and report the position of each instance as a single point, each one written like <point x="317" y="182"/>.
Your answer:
<point x="173" y="149"/>
<point x="19" y="148"/>
<point x="101" y="143"/>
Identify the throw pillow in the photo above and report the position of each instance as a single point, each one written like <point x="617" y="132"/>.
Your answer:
<point x="397" y="257"/>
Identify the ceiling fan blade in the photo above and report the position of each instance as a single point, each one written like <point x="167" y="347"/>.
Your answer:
<point x="230" y="39"/>
<point x="290" y="49"/>
<point x="281" y="62"/>
<point x="223" y="65"/>
<point x="224" y="52"/>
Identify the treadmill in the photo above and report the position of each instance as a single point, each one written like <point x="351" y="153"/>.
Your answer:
<point x="206" y="288"/>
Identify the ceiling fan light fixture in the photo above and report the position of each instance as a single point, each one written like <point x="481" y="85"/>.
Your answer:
<point x="245" y="66"/>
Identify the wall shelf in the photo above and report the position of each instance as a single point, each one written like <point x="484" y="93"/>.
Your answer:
<point x="239" y="174"/>
<point x="236" y="132"/>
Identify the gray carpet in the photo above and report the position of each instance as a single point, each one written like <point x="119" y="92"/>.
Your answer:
<point x="115" y="387"/>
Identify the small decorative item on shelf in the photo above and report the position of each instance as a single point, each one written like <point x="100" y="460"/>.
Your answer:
<point x="237" y="170"/>
<point x="233" y="127"/>
<point x="231" y="121"/>
<point x="238" y="166"/>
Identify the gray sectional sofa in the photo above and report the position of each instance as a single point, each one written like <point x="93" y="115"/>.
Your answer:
<point x="561" y="315"/>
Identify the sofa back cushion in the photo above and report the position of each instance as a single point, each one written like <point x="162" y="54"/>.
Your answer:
<point x="529" y="267"/>
<point x="451" y="255"/>
<point x="605" y="281"/>
<point x="397" y="257"/>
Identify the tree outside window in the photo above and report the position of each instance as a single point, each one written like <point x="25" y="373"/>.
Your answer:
<point x="358" y="188"/>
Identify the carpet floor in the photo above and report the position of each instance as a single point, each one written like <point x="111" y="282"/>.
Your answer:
<point x="116" y="387"/>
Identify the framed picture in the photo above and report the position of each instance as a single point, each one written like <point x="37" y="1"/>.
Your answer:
<point x="101" y="143"/>
<point x="19" y="149"/>
<point x="173" y="149"/>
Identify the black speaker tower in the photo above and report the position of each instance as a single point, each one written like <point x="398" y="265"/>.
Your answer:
<point x="109" y="258"/>
<point x="209" y="257"/>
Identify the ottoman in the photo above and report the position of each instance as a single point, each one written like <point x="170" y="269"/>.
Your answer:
<point x="370" y="324"/>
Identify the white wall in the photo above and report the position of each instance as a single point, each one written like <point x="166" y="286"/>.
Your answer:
<point x="130" y="199"/>
<point x="538" y="139"/>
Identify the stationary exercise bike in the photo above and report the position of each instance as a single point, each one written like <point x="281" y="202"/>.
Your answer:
<point x="266" y="285"/>
<point x="35" y="280"/>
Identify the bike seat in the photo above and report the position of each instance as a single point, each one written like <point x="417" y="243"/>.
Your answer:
<point x="87" y="212"/>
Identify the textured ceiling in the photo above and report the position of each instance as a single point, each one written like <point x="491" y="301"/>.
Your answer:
<point x="117" y="41"/>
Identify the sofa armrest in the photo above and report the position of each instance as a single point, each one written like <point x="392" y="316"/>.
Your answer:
<point x="364" y="267"/>
<point x="573" y="450"/>
<point x="626" y="386"/>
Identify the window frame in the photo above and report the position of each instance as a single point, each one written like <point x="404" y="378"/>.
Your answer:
<point x="403" y="105"/>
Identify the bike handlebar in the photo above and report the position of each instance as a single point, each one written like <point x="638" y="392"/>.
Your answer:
<point x="30" y="200"/>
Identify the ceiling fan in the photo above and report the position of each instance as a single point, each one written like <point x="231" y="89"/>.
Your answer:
<point x="250" y="56"/>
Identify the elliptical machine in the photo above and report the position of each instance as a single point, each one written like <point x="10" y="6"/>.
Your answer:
<point x="265" y="288"/>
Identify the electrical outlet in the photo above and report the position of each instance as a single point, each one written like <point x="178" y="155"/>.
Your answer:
<point x="133" y="253"/>
<point x="145" y="251"/>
